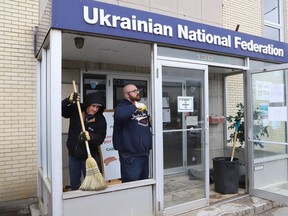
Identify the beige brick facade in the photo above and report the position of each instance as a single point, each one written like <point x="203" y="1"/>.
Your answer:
<point x="246" y="13"/>
<point x="18" y="154"/>
<point x="196" y="10"/>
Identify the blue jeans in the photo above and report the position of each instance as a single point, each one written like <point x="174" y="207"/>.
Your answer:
<point x="76" y="169"/>
<point x="134" y="168"/>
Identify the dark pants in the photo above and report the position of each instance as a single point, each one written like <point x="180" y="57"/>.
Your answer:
<point x="134" y="168"/>
<point x="77" y="167"/>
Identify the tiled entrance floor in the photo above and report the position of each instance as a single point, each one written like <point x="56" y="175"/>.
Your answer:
<point x="180" y="189"/>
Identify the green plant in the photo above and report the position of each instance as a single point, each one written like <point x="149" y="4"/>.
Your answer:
<point x="259" y="130"/>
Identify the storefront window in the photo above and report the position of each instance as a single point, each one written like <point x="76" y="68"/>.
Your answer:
<point x="272" y="33"/>
<point x="118" y="85"/>
<point x="273" y="21"/>
<point x="270" y="103"/>
<point x="94" y="83"/>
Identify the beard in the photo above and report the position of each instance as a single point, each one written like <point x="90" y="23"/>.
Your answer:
<point x="136" y="98"/>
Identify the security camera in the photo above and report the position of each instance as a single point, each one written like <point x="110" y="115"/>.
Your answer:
<point x="79" y="42"/>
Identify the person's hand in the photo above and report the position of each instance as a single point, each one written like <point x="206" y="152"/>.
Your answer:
<point x="140" y="106"/>
<point x="74" y="97"/>
<point x="85" y="136"/>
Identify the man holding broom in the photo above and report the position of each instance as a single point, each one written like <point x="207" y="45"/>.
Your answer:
<point x="95" y="133"/>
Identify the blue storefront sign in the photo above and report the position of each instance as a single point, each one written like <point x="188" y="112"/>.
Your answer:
<point x="112" y="20"/>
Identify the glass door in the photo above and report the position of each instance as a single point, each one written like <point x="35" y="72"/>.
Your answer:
<point x="184" y="129"/>
<point x="267" y="132"/>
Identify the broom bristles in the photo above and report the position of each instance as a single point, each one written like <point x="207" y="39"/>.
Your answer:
<point x="93" y="179"/>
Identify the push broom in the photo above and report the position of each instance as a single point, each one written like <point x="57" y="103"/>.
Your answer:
<point x="93" y="180"/>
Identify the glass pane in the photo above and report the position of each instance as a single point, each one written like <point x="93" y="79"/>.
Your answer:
<point x="195" y="135"/>
<point x="183" y="135"/>
<point x="200" y="56"/>
<point x="270" y="132"/>
<point x="195" y="151"/>
<point x="171" y="118"/>
<point x="269" y="150"/>
<point x="173" y="151"/>
<point x="269" y="112"/>
<point x="271" y="11"/>
<point x="257" y="64"/>
<point x="271" y="33"/>
<point x="118" y="85"/>
<point x="94" y="83"/>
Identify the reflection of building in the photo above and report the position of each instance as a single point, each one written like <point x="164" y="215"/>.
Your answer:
<point x="171" y="49"/>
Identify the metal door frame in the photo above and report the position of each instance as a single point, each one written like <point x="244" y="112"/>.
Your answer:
<point x="249" y="134"/>
<point x="157" y="81"/>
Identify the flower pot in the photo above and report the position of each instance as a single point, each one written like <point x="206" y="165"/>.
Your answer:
<point x="226" y="173"/>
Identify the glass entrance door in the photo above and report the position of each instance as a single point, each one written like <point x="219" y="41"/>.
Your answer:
<point x="184" y="128"/>
<point x="267" y="132"/>
<point x="182" y="134"/>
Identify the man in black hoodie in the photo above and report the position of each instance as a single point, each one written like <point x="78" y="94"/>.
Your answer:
<point x="132" y="135"/>
<point x="95" y="126"/>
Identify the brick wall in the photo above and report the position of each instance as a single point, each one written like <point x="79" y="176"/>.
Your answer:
<point x="246" y="13"/>
<point x="196" y="10"/>
<point x="17" y="100"/>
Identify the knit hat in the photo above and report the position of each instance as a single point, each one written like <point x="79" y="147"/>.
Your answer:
<point x="96" y="98"/>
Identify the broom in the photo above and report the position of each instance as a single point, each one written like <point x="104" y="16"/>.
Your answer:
<point x="237" y="125"/>
<point x="93" y="179"/>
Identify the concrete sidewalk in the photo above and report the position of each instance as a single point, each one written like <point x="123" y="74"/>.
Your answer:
<point x="246" y="206"/>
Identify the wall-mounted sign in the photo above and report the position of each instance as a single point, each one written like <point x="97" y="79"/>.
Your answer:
<point x="108" y="19"/>
<point x="110" y="157"/>
<point x="166" y="115"/>
<point x="185" y="104"/>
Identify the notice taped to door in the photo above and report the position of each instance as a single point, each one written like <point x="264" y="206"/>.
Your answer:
<point x="110" y="157"/>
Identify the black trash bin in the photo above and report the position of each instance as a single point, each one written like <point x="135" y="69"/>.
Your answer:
<point x="226" y="173"/>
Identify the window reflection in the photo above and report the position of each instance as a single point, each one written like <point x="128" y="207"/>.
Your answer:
<point x="272" y="33"/>
<point x="273" y="21"/>
<point x="271" y="11"/>
<point x="269" y="100"/>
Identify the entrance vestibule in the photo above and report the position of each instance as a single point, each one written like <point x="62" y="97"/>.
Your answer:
<point x="181" y="95"/>
<point x="111" y="75"/>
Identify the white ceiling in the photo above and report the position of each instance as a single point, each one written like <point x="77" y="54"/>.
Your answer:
<point x="104" y="50"/>
<point x="110" y="51"/>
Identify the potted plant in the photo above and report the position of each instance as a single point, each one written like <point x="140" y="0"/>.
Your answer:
<point x="259" y="130"/>
<point x="226" y="169"/>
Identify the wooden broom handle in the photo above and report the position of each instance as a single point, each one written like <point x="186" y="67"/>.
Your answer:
<point x="81" y="118"/>
<point x="234" y="144"/>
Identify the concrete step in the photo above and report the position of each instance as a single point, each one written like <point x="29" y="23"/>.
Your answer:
<point x="34" y="209"/>
<point x="277" y="211"/>
<point x="246" y="206"/>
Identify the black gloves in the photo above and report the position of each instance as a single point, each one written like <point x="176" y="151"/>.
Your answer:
<point x="74" y="97"/>
<point x="85" y="136"/>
